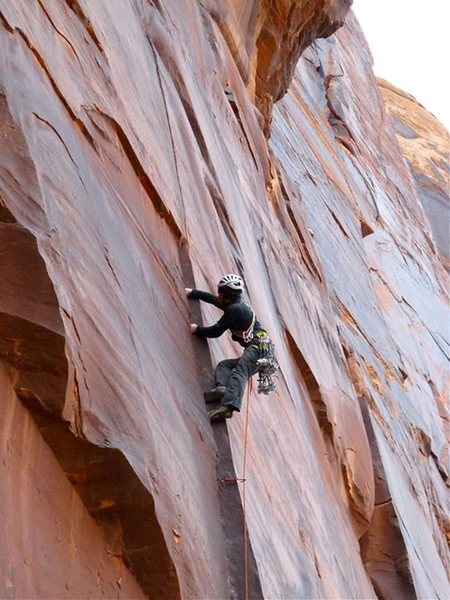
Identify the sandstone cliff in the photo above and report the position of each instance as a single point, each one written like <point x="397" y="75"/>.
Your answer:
<point x="425" y="144"/>
<point x="136" y="160"/>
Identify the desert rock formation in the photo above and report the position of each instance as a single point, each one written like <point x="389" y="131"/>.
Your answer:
<point x="425" y="143"/>
<point x="147" y="146"/>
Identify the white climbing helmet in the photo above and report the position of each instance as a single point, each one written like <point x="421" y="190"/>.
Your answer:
<point x="231" y="282"/>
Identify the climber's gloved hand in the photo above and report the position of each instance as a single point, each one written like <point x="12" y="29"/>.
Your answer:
<point x="188" y="291"/>
<point x="193" y="327"/>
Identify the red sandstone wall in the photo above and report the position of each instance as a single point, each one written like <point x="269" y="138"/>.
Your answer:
<point x="135" y="151"/>
<point x="51" y="547"/>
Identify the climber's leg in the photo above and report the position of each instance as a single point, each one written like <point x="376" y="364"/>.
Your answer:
<point x="232" y="399"/>
<point x="222" y="377"/>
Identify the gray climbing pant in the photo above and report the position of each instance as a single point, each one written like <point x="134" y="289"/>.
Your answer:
<point x="233" y="373"/>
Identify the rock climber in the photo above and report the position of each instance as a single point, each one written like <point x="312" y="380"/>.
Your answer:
<point x="231" y="375"/>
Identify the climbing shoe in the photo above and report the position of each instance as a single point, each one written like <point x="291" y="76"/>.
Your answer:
<point x="215" y="394"/>
<point x="221" y="412"/>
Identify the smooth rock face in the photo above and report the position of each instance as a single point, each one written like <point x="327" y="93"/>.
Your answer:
<point x="425" y="144"/>
<point x="134" y="161"/>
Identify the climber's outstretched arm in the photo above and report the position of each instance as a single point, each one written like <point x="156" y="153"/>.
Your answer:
<point x="204" y="296"/>
<point x="215" y="330"/>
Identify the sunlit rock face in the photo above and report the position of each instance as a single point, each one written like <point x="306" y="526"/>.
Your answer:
<point x="135" y="161"/>
<point x="425" y="144"/>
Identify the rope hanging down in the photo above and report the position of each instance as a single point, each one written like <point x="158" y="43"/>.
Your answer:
<point x="243" y="479"/>
<point x="244" y="490"/>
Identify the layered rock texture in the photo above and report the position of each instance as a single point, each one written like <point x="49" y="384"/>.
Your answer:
<point x="425" y="144"/>
<point x="147" y="146"/>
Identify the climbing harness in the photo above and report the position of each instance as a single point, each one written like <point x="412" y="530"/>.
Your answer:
<point x="267" y="363"/>
<point x="247" y="335"/>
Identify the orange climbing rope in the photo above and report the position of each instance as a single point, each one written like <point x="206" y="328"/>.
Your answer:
<point x="244" y="494"/>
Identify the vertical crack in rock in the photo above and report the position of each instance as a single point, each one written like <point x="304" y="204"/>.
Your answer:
<point x="55" y="28"/>
<point x="59" y="137"/>
<point x="383" y="549"/>
<point x="123" y="208"/>
<point x="222" y="211"/>
<point x="103" y="478"/>
<point x="305" y="253"/>
<point x="339" y="224"/>
<point x="229" y="496"/>
<point x="76" y="8"/>
<point x="235" y="109"/>
<point x="194" y="124"/>
<point x="341" y="130"/>
<point x="5" y="23"/>
<point x="390" y="372"/>
<point x="211" y="178"/>
<point x="319" y="405"/>
<point x="356" y="496"/>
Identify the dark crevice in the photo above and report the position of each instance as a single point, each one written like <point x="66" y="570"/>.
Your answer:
<point x="319" y="405"/>
<point x="384" y="503"/>
<point x="345" y="142"/>
<point x="403" y="374"/>
<point x="366" y="230"/>
<point x="383" y="549"/>
<point x="230" y="502"/>
<point x="58" y="135"/>
<point x="5" y="23"/>
<point x="338" y="223"/>
<point x="235" y="108"/>
<point x="122" y="507"/>
<point x="76" y="8"/>
<point x="169" y="126"/>
<point x="222" y="212"/>
<point x="111" y="268"/>
<point x="305" y="254"/>
<point x="340" y="129"/>
<point x="5" y="215"/>
<point x="55" y="28"/>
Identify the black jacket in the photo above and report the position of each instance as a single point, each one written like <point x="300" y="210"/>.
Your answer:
<point x="237" y="316"/>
